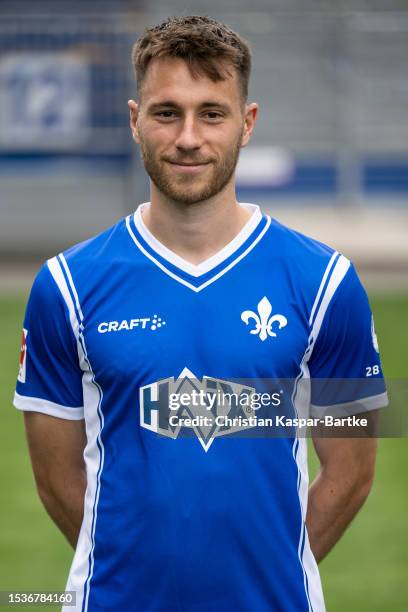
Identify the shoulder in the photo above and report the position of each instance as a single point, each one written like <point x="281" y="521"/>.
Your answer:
<point x="98" y="247"/>
<point x="295" y="243"/>
<point x="81" y="260"/>
<point x="87" y="261"/>
<point x="308" y="261"/>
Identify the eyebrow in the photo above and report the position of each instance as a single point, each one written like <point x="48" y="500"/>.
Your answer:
<point x="172" y="104"/>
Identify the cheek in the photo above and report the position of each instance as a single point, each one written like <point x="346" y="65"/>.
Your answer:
<point x="229" y="142"/>
<point x="231" y="133"/>
<point x="158" y="138"/>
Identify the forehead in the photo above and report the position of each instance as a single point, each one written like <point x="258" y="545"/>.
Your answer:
<point x="170" y="78"/>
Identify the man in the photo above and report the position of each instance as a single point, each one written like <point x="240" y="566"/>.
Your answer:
<point x="195" y="289"/>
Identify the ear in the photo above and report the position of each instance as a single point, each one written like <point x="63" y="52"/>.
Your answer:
<point x="133" y="114"/>
<point x="250" y="115"/>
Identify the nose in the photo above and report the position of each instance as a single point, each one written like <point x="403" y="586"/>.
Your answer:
<point x="188" y="138"/>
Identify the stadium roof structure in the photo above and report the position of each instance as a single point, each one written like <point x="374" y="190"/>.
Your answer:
<point x="11" y="7"/>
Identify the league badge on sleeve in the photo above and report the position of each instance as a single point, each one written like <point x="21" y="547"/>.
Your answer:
<point x="23" y="354"/>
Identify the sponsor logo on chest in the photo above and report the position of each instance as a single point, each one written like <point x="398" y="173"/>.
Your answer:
<point x="265" y="324"/>
<point x="153" y="323"/>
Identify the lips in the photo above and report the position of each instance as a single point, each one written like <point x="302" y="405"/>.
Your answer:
<point x="188" y="167"/>
<point x="188" y="164"/>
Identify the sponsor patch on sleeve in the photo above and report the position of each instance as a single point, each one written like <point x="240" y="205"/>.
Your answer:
<point x="23" y="357"/>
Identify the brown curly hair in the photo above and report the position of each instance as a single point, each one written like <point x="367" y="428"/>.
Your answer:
<point x="208" y="46"/>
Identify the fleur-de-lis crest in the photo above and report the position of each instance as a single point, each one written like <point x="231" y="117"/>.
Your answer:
<point x="263" y="321"/>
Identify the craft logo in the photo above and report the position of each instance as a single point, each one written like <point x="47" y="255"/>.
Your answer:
<point x="23" y="356"/>
<point x="153" y="323"/>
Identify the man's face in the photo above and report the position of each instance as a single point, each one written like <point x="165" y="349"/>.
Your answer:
<point x="190" y="130"/>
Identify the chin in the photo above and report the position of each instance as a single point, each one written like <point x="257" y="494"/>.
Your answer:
<point x="188" y="195"/>
<point x="187" y="198"/>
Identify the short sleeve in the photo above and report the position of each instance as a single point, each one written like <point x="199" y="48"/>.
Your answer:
<point x="50" y="377"/>
<point x="345" y="365"/>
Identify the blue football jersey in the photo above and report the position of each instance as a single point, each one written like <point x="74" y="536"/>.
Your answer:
<point x="195" y="517"/>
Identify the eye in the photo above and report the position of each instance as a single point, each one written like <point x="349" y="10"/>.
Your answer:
<point x="213" y="115"/>
<point x="165" y="114"/>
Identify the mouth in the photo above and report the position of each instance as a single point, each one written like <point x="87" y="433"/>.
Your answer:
<point x="188" y="167"/>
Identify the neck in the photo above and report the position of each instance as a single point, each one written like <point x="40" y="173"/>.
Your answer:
<point x="195" y="232"/>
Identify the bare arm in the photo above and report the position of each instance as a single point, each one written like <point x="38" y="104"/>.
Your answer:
<point x="56" y="450"/>
<point x="340" y="488"/>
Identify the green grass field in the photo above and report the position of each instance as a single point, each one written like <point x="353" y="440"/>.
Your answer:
<point x="366" y="572"/>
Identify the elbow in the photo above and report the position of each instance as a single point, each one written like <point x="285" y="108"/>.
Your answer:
<point x="53" y="490"/>
<point x="47" y="487"/>
<point x="45" y="492"/>
<point x="364" y="484"/>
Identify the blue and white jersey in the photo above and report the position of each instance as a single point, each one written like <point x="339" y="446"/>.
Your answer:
<point x="214" y="520"/>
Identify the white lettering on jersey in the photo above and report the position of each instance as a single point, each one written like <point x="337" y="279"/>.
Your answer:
<point x="152" y="323"/>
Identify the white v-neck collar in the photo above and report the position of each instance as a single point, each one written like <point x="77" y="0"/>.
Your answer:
<point x="207" y="264"/>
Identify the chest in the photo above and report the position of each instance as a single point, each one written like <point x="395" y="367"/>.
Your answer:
<point x="141" y="328"/>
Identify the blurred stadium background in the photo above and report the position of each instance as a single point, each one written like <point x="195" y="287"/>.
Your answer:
<point x="329" y="157"/>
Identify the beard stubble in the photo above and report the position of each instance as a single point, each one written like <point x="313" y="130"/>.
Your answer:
<point x="183" y="191"/>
